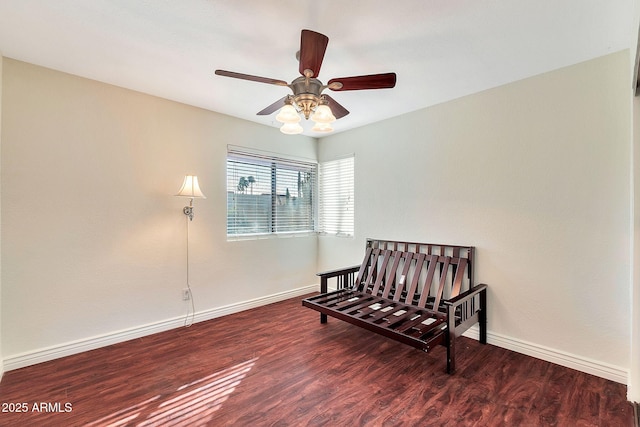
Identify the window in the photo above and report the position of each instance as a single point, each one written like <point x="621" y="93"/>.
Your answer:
<point x="337" y="197"/>
<point x="268" y="194"/>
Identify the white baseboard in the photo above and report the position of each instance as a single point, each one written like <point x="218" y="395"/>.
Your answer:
<point x="632" y="392"/>
<point x="79" y="346"/>
<point x="579" y="363"/>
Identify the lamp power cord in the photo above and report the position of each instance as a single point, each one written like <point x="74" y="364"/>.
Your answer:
<point x="190" y="316"/>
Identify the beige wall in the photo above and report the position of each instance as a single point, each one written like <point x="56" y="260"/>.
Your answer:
<point x="93" y="239"/>
<point x="536" y="175"/>
<point x="634" y="377"/>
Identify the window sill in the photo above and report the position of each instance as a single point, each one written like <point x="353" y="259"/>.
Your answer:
<point x="267" y="236"/>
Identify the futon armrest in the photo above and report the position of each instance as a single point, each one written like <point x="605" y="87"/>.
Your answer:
<point x="464" y="310"/>
<point x="338" y="272"/>
<point x="345" y="277"/>
<point x="465" y="295"/>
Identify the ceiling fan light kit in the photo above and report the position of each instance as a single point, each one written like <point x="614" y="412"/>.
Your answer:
<point x="307" y="98"/>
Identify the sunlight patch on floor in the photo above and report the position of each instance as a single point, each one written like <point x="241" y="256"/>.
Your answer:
<point x="191" y="404"/>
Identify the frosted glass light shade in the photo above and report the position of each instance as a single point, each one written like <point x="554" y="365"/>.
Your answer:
<point x="288" y="114"/>
<point x="322" y="127"/>
<point x="323" y="114"/>
<point x="291" y="128"/>
<point x="190" y="188"/>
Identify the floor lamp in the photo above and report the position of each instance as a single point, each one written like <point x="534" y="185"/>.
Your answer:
<point x="190" y="189"/>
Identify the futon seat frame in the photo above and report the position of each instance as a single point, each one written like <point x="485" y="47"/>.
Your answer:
<point x="420" y="294"/>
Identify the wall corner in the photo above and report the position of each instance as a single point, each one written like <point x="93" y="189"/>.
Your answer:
<point x="1" y="358"/>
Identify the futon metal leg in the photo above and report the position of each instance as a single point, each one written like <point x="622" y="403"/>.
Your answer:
<point x="451" y="346"/>
<point x="482" y="320"/>
<point x="323" y="290"/>
<point x="451" y="358"/>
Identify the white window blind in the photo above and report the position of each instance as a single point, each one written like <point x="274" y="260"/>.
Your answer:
<point x="268" y="194"/>
<point x="336" y="185"/>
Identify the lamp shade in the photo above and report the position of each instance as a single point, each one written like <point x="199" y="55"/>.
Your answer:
<point x="323" y="114"/>
<point x="190" y="188"/>
<point x="291" y="128"/>
<point x="288" y="114"/>
<point x="322" y="127"/>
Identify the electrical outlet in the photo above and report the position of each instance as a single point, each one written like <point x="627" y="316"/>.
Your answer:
<point x="186" y="295"/>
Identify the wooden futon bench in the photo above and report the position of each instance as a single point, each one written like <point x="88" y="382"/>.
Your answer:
<point x="420" y="294"/>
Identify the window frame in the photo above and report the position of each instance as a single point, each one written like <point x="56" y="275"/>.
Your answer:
<point x="275" y="162"/>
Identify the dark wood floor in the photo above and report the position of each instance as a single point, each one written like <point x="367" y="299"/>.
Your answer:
<point x="277" y="366"/>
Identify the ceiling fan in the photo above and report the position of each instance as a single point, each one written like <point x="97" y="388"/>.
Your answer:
<point x="307" y="97"/>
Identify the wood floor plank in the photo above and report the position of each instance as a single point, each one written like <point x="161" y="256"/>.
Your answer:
<point x="260" y="368"/>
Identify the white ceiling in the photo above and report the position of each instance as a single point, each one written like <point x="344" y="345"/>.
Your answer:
<point x="440" y="49"/>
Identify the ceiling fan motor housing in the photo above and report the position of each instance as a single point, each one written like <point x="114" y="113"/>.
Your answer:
<point x="306" y="94"/>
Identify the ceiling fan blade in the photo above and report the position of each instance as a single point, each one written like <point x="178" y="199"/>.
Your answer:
<point x="338" y="110"/>
<point x="273" y="107"/>
<point x="312" y="48"/>
<point x="372" y="81"/>
<point x="251" y="78"/>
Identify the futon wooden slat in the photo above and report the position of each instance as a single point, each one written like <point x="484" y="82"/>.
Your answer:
<point x="416" y="277"/>
<point x="408" y="259"/>
<point x="433" y="263"/>
<point x="391" y="281"/>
